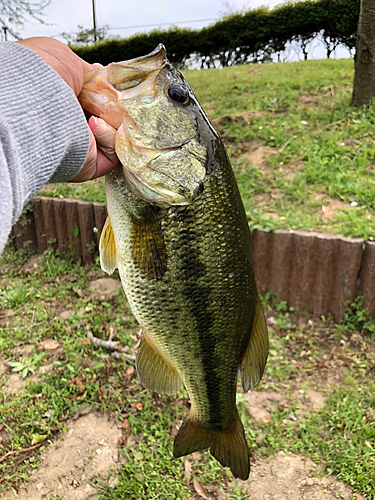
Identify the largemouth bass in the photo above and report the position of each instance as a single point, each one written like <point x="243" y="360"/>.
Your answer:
<point x="178" y="233"/>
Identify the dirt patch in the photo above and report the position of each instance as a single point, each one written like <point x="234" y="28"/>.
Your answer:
<point x="33" y="262"/>
<point x="330" y="206"/>
<point x="24" y="349"/>
<point x="255" y="153"/>
<point x="262" y="403"/>
<point x="290" y="169"/>
<point x="244" y="118"/>
<point x="14" y="384"/>
<point x="258" y="157"/>
<point x="308" y="101"/>
<point x="271" y="199"/>
<point x="271" y="215"/>
<point x="209" y="107"/>
<point x="310" y="399"/>
<point x="104" y="288"/>
<point x="255" y="70"/>
<point x="88" y="450"/>
<point x="286" y="477"/>
<point x="67" y="314"/>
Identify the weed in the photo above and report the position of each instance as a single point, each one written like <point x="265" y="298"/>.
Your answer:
<point x="356" y="317"/>
<point x="26" y="365"/>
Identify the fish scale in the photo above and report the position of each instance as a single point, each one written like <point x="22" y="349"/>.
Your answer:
<point x="181" y="242"/>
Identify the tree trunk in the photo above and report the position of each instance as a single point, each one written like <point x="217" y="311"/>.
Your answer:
<point x="364" y="75"/>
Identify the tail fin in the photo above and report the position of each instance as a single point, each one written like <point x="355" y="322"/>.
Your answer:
<point x="229" y="447"/>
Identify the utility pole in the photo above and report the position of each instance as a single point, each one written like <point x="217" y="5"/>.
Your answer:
<point x="94" y="18"/>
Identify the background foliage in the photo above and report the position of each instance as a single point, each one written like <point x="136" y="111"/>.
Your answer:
<point x="244" y="37"/>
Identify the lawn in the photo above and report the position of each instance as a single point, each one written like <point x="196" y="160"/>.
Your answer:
<point x="303" y="158"/>
<point x="76" y="423"/>
<point x="316" y="401"/>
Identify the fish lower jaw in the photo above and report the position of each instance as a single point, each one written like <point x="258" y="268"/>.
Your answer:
<point x="153" y="194"/>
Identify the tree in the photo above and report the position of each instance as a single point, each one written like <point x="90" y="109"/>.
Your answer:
<point x="364" y="76"/>
<point x="14" y="13"/>
<point x="86" y="36"/>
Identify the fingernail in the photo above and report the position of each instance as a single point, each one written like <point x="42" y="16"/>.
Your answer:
<point x="93" y="121"/>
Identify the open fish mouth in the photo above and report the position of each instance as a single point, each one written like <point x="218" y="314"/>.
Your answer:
<point x="157" y="143"/>
<point x="172" y="176"/>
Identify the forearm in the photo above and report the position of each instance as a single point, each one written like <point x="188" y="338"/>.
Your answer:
<point x="43" y="132"/>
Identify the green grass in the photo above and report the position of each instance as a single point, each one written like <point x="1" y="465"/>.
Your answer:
<point x="318" y="151"/>
<point x="340" y="436"/>
<point x="81" y="378"/>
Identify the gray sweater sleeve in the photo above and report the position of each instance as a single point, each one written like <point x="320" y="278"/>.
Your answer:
<point x="44" y="136"/>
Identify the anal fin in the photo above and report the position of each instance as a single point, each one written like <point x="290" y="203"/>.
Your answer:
<point x="154" y="371"/>
<point x="254" y="359"/>
<point x="107" y="248"/>
<point x="147" y="245"/>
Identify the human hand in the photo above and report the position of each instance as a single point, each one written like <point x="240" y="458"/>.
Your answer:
<point x="101" y="158"/>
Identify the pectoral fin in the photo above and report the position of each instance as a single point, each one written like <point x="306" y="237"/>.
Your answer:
<point x="107" y="248"/>
<point x="154" y="371"/>
<point x="254" y="359"/>
<point x="147" y="245"/>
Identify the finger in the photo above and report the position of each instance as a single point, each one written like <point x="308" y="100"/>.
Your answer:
<point x="104" y="165"/>
<point x="104" y="135"/>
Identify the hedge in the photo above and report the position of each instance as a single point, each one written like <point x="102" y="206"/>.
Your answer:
<point x="239" y="38"/>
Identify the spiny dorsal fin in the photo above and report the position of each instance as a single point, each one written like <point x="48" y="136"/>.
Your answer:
<point x="147" y="245"/>
<point x="154" y="371"/>
<point x="254" y="359"/>
<point x="107" y="248"/>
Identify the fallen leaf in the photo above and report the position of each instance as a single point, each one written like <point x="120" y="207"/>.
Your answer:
<point x="129" y="374"/>
<point x="49" y="345"/>
<point x="359" y="497"/>
<point x="137" y="405"/>
<point x="79" y="383"/>
<point x="187" y="472"/>
<point x="200" y="490"/>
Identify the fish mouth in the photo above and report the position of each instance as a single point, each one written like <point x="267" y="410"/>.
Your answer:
<point x="155" y="183"/>
<point x="129" y="74"/>
<point x="157" y="140"/>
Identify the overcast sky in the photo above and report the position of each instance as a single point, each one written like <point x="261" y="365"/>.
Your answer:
<point x="65" y="16"/>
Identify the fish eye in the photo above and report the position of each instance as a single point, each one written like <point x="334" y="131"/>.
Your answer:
<point x="178" y="94"/>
